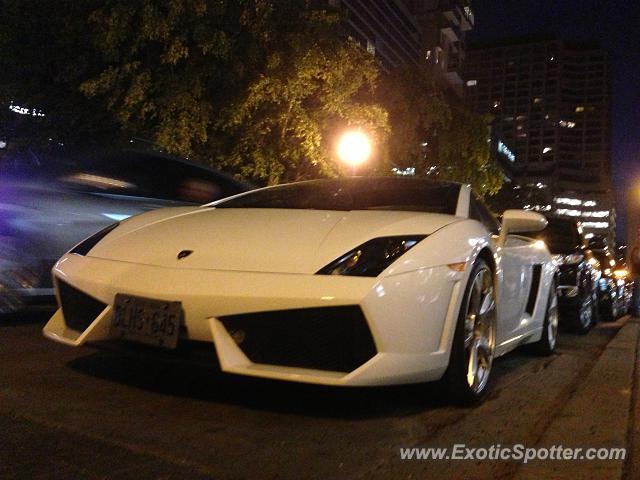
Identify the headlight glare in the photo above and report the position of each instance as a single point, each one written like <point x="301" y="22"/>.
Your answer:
<point x="372" y="257"/>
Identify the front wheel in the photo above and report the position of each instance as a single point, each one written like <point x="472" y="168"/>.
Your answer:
<point x="467" y="377"/>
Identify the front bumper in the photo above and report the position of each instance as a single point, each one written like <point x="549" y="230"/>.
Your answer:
<point x="409" y="317"/>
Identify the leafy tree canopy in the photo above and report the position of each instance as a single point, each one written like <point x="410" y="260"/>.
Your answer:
<point x="260" y="87"/>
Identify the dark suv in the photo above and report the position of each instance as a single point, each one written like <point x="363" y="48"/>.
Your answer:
<point x="578" y="274"/>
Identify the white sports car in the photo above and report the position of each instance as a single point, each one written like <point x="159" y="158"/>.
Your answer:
<point x="356" y="281"/>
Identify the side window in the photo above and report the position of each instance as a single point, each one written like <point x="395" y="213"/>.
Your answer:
<point x="478" y="211"/>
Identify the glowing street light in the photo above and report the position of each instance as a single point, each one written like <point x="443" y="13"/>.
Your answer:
<point x="354" y="149"/>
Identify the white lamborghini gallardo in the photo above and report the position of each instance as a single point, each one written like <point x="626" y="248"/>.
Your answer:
<point x="355" y="281"/>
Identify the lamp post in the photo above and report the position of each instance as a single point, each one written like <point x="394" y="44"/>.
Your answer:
<point x="354" y="149"/>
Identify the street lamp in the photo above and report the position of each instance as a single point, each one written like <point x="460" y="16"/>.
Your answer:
<point x="354" y="148"/>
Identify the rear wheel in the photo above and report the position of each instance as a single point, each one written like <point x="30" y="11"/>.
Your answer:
<point x="610" y="310"/>
<point x="584" y="319"/>
<point x="467" y="377"/>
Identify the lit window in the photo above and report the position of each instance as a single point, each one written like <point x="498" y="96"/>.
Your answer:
<point x="537" y="100"/>
<point x="579" y="109"/>
<point x="496" y="103"/>
<point x="404" y="172"/>
<point x="428" y="55"/>
<point x="596" y="214"/>
<point x="568" y="212"/>
<point x="569" y="201"/>
<point x="371" y="48"/>
<point x="472" y="83"/>
<point x="595" y="224"/>
<point x="546" y="150"/>
<point x="589" y="203"/>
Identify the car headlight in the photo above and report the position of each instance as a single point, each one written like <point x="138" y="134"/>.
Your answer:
<point x="372" y="257"/>
<point x="87" y="244"/>
<point x="568" y="259"/>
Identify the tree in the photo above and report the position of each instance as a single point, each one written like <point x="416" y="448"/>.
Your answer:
<point x="461" y="152"/>
<point x="287" y="124"/>
<point x="435" y="133"/>
<point x="417" y="109"/>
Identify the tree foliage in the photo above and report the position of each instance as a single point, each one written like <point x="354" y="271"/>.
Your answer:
<point x="436" y="134"/>
<point x="287" y="124"/>
<point x="462" y="153"/>
<point x="416" y="110"/>
<point x="263" y="88"/>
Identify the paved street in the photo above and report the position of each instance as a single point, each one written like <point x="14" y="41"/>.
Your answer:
<point x="77" y="413"/>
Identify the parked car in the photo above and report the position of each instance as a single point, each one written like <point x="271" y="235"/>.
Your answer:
<point x="51" y="201"/>
<point x="614" y="286"/>
<point x="578" y="274"/>
<point x="355" y="281"/>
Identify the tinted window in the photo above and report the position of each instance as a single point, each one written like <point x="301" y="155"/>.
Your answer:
<point x="355" y="194"/>
<point x="561" y="236"/>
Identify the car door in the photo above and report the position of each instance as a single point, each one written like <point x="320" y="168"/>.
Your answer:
<point x="522" y="261"/>
<point x="515" y="268"/>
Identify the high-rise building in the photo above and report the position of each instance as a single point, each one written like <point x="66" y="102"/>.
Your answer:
<point x="385" y="28"/>
<point x="444" y="25"/>
<point x="551" y="104"/>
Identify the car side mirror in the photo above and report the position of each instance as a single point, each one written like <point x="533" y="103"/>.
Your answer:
<point x="520" y="221"/>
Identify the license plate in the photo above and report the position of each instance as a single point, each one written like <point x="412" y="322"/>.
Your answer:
<point x="145" y="320"/>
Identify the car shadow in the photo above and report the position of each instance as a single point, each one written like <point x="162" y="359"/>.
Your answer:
<point x="29" y="317"/>
<point x="209" y="384"/>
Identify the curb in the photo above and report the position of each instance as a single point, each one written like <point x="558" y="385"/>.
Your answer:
<point x="598" y="414"/>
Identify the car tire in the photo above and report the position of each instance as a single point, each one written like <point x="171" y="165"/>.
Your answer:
<point x="585" y="317"/>
<point x="547" y="343"/>
<point x="468" y="375"/>
<point x="610" y="312"/>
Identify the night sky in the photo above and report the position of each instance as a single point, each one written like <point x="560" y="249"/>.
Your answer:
<point x="614" y="24"/>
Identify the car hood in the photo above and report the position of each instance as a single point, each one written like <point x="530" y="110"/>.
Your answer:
<point x="256" y="240"/>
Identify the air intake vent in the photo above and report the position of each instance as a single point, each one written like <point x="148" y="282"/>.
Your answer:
<point x="329" y="338"/>
<point x="535" y="286"/>
<point x="78" y="308"/>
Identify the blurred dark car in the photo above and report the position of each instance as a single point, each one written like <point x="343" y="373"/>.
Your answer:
<point x="51" y="201"/>
<point x="578" y="274"/>
<point x="614" y="287"/>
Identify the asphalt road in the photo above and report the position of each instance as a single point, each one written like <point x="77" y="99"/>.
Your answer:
<point x="78" y="413"/>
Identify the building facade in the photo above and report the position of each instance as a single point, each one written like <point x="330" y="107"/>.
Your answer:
<point x="551" y="104"/>
<point x="444" y="25"/>
<point x="385" y="28"/>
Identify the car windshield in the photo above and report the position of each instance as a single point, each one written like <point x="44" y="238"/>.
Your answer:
<point x="561" y="236"/>
<point x="354" y="194"/>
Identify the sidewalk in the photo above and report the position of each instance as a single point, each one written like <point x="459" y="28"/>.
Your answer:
<point x="603" y="412"/>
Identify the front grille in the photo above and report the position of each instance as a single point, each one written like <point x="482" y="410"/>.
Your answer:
<point x="78" y="308"/>
<point x="327" y="338"/>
